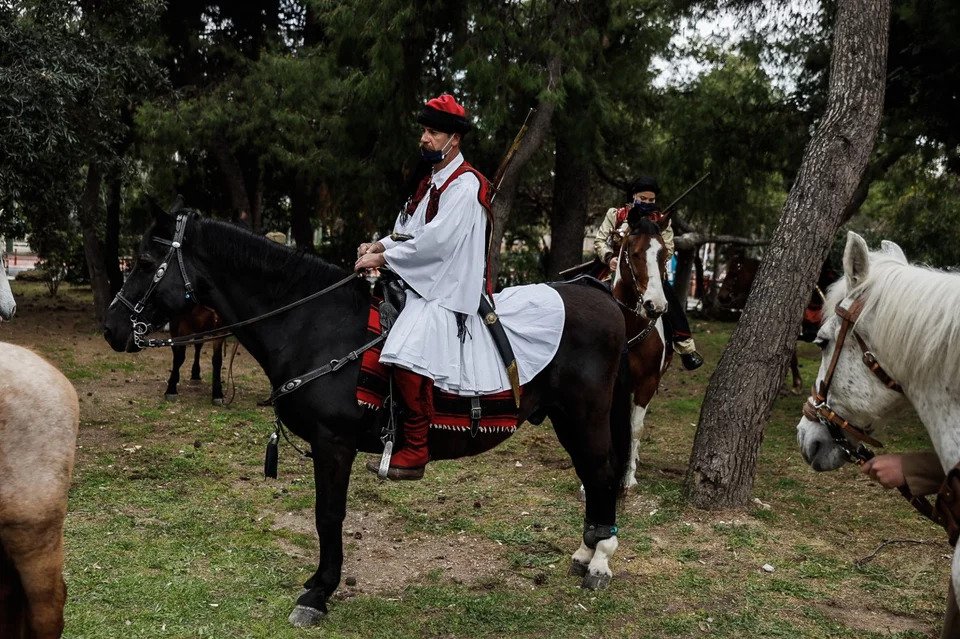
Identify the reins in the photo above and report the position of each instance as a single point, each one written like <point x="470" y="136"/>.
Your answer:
<point x="141" y="328"/>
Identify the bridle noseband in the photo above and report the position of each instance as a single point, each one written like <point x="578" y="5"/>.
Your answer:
<point x="141" y="328"/>
<point x="817" y="408"/>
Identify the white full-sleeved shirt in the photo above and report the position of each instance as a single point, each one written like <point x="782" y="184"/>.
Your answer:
<point x="444" y="264"/>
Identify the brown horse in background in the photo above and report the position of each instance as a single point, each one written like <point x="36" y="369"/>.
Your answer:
<point x="736" y="287"/>
<point x="197" y="320"/>
<point x="39" y="416"/>
<point x="637" y="286"/>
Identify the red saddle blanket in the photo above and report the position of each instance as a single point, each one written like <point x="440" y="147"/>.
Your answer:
<point x="498" y="412"/>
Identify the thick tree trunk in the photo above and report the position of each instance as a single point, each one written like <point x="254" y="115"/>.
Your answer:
<point x="750" y="372"/>
<point x="537" y="132"/>
<point x="571" y="194"/>
<point x="303" y="203"/>
<point x="89" y="215"/>
<point x="233" y="182"/>
<point x="111" y="239"/>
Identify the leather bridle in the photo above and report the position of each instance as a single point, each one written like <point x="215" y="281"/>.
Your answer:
<point x="817" y="408"/>
<point x="140" y="327"/>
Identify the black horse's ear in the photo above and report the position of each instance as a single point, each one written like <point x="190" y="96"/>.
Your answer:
<point x="161" y="217"/>
<point x="176" y="205"/>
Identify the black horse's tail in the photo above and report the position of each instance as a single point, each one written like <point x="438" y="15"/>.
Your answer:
<point x="621" y="430"/>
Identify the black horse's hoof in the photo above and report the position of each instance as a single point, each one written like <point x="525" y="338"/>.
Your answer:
<point x="171" y="397"/>
<point x="218" y="401"/>
<point x="577" y="569"/>
<point x="305" y="616"/>
<point x="595" y="581"/>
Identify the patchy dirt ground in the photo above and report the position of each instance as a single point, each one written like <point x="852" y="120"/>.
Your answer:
<point x="173" y="530"/>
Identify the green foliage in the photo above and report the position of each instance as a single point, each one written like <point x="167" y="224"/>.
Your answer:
<point x="917" y="205"/>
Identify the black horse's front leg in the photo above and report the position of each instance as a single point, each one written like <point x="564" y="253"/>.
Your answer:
<point x="332" y="462"/>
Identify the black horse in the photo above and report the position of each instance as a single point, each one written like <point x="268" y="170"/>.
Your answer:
<point x="188" y="259"/>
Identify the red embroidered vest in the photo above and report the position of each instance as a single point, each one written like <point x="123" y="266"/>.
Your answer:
<point x="622" y="213"/>
<point x="433" y="205"/>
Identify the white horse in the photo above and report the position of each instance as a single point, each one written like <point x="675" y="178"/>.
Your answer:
<point x="7" y="304"/>
<point x="908" y="321"/>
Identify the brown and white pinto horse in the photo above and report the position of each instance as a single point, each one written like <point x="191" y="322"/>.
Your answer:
<point x="197" y="320"/>
<point x="638" y="287"/>
<point x="39" y="415"/>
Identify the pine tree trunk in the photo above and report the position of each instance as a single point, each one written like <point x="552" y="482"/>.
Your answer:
<point x="571" y="194"/>
<point x="111" y="240"/>
<point x="89" y="215"/>
<point x="303" y="202"/>
<point x="750" y="372"/>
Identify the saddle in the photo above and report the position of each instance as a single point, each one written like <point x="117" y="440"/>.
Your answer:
<point x="473" y="415"/>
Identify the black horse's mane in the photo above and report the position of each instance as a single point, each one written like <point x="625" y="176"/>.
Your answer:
<point x="233" y="244"/>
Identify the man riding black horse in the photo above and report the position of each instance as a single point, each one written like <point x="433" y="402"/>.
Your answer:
<point x="438" y="248"/>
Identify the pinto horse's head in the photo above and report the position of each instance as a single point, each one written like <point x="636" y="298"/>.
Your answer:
<point x="8" y="306"/>
<point x="155" y="290"/>
<point x="855" y="393"/>
<point x="641" y="268"/>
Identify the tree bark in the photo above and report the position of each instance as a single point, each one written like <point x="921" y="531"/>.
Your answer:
<point x="303" y="203"/>
<point x="235" y="185"/>
<point x="741" y="392"/>
<point x="571" y="195"/>
<point x="111" y="239"/>
<point x="536" y="133"/>
<point x="89" y="216"/>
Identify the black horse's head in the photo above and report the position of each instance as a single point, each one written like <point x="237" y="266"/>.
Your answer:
<point x="156" y="288"/>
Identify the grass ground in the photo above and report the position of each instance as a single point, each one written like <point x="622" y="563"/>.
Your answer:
<point x="173" y="532"/>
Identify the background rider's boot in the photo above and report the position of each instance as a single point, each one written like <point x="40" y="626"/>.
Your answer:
<point x="689" y="356"/>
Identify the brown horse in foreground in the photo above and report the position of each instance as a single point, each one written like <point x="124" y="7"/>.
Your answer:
<point x="197" y="320"/>
<point x="39" y="415"/>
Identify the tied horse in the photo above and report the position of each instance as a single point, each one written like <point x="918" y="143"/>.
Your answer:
<point x="243" y="276"/>
<point x="891" y="338"/>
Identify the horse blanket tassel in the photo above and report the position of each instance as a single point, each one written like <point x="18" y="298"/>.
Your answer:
<point x="272" y="456"/>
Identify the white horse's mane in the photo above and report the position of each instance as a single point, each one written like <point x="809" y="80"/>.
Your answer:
<point x="912" y="316"/>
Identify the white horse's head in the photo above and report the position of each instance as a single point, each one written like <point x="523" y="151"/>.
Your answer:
<point x="8" y="306"/>
<point x="856" y="394"/>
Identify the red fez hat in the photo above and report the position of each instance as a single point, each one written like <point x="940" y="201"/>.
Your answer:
<point x="444" y="114"/>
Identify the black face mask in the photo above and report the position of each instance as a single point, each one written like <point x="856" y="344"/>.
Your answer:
<point x="644" y="208"/>
<point x="435" y="157"/>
